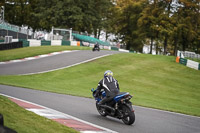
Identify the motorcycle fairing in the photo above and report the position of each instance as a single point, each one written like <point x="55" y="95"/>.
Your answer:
<point x="120" y="96"/>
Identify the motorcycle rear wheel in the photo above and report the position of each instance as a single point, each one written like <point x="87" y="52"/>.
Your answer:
<point x="101" y="111"/>
<point x="129" y="116"/>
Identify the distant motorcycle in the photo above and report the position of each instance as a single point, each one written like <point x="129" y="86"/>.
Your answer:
<point x="121" y="103"/>
<point x="96" y="48"/>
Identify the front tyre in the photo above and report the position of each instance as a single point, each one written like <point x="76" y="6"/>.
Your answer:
<point x="101" y="111"/>
<point x="128" y="116"/>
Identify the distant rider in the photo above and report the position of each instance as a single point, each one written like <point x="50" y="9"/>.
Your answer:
<point x="111" y="88"/>
<point x="96" y="45"/>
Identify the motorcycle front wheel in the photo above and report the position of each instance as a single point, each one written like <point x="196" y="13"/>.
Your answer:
<point x="101" y="111"/>
<point x="128" y="116"/>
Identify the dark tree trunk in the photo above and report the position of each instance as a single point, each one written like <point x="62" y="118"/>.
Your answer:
<point x="95" y="33"/>
<point x="183" y="46"/>
<point x="165" y="45"/>
<point x="151" y="45"/>
<point x="99" y="33"/>
<point x="156" y="49"/>
<point x="106" y="35"/>
<point x="175" y="47"/>
<point x="128" y="45"/>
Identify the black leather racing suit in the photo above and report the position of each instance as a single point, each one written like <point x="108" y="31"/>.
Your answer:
<point x="110" y="86"/>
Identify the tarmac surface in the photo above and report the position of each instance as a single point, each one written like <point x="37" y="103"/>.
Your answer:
<point x="49" y="63"/>
<point x="147" y="120"/>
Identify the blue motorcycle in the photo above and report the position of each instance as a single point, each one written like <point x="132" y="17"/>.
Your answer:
<point x="121" y="103"/>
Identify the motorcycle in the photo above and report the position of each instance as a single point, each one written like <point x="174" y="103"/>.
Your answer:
<point x="96" y="48"/>
<point x="121" y="103"/>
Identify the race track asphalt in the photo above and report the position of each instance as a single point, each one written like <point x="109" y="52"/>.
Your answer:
<point x="51" y="62"/>
<point x="147" y="120"/>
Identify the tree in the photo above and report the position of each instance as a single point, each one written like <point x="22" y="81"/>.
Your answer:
<point x="126" y="15"/>
<point x="173" y="23"/>
<point x="165" y="24"/>
<point x="17" y="11"/>
<point x="68" y="14"/>
<point x="148" y="22"/>
<point x="190" y="24"/>
<point x="95" y="15"/>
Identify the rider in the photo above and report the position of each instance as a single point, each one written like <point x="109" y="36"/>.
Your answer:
<point x="96" y="45"/>
<point x="111" y="88"/>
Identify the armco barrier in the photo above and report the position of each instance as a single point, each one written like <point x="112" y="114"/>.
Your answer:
<point x="12" y="45"/>
<point x="107" y="47"/>
<point x="66" y="43"/>
<point x="24" y="42"/>
<point x="193" y="64"/>
<point x="114" y="48"/>
<point x="45" y="43"/>
<point x="132" y="51"/>
<point x="183" y="61"/>
<point x="188" y="63"/>
<point x="33" y="42"/>
<point x="73" y="43"/>
<point x="56" y="42"/>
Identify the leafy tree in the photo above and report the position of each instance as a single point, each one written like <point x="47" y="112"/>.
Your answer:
<point x="126" y="15"/>
<point x="148" y="22"/>
<point x="87" y="8"/>
<point x="17" y="11"/>
<point x="68" y="14"/>
<point x="190" y="24"/>
<point x="102" y="9"/>
<point x="168" y="23"/>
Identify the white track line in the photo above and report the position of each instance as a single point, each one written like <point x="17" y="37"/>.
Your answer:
<point x="67" y="66"/>
<point x="68" y="116"/>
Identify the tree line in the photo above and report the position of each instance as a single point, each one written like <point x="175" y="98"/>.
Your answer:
<point x="169" y="24"/>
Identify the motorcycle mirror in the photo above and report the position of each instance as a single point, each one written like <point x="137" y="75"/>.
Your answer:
<point x="92" y="90"/>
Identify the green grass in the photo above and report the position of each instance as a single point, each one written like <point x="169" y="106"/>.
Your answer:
<point x="23" y="121"/>
<point x="155" y="81"/>
<point x="19" y="53"/>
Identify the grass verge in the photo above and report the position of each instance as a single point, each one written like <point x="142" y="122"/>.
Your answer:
<point x="155" y="81"/>
<point x="20" y="53"/>
<point x="23" y="121"/>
